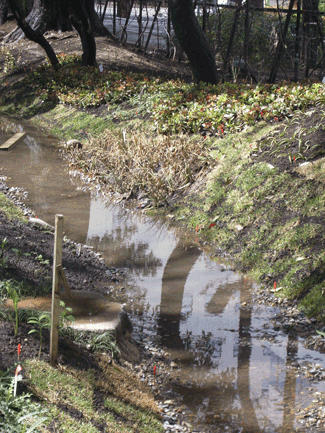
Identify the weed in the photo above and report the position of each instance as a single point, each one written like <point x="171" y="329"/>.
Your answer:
<point x="105" y="342"/>
<point x="18" y="414"/>
<point x="10" y="286"/>
<point x="41" y="322"/>
<point x="11" y="211"/>
<point x="3" y="258"/>
<point x="11" y="63"/>
<point x="65" y="315"/>
<point x="42" y="261"/>
<point x="174" y="106"/>
<point x="19" y="254"/>
<point x="158" y="167"/>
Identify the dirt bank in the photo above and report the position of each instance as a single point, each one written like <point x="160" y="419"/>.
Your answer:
<point x="112" y="55"/>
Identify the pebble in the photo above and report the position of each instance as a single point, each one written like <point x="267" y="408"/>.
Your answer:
<point x="17" y="196"/>
<point x="288" y="319"/>
<point x="174" y="412"/>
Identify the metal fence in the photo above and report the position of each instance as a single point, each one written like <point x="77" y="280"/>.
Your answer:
<point x="145" y="25"/>
<point x="247" y="38"/>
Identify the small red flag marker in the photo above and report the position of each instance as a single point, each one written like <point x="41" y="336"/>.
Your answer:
<point x="274" y="285"/>
<point x="197" y="229"/>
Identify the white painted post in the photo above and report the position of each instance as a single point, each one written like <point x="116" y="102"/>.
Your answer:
<point x="57" y="263"/>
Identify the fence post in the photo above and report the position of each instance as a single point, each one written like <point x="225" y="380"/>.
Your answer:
<point x="114" y="17"/>
<point x="57" y="262"/>
<point x="153" y="25"/>
<point x="168" y="33"/>
<point x="297" y="42"/>
<point x="281" y="45"/>
<point x="140" y="24"/>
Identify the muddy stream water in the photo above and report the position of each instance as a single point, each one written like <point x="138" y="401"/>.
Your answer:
<point x="234" y="367"/>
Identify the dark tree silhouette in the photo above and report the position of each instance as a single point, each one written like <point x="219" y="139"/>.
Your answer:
<point x="18" y="12"/>
<point x="57" y="14"/>
<point x="4" y="10"/>
<point x="176" y="271"/>
<point x="193" y="41"/>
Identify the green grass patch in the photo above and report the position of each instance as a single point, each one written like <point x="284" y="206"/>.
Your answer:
<point x="74" y="390"/>
<point x="10" y="209"/>
<point x="262" y="217"/>
<point x="68" y="122"/>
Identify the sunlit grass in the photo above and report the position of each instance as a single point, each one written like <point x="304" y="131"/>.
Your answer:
<point x="68" y="394"/>
<point x="10" y="209"/>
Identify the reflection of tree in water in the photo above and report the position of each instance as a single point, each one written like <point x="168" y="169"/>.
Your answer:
<point x="205" y="349"/>
<point x="225" y="399"/>
<point x="289" y="398"/>
<point x="176" y="271"/>
<point x="249" y="421"/>
<point x="215" y="404"/>
<point x="134" y="256"/>
<point x="220" y="300"/>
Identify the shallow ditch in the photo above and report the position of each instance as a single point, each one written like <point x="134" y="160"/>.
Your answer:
<point x="234" y="367"/>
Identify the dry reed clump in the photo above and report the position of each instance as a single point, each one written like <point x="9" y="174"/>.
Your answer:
<point x="157" y="167"/>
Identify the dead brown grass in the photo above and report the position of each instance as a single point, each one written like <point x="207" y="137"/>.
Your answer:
<point x="125" y="386"/>
<point x="132" y="163"/>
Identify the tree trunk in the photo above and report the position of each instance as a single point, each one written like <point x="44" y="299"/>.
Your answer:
<point x="193" y="41"/>
<point x="4" y="9"/>
<point x="311" y="33"/>
<point x="48" y="14"/>
<point x="123" y="7"/>
<point x="99" y="28"/>
<point x="53" y="15"/>
<point x="232" y="36"/>
<point x="82" y="18"/>
<point x="40" y="19"/>
<point x="32" y="34"/>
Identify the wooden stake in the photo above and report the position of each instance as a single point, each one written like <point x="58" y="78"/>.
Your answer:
<point x="57" y="262"/>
